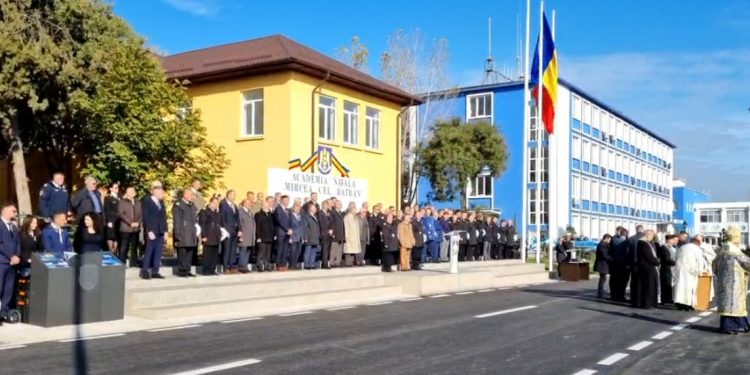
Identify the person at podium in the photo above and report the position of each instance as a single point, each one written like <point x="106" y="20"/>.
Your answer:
<point x="688" y="266"/>
<point x="55" y="237"/>
<point x="731" y="269"/>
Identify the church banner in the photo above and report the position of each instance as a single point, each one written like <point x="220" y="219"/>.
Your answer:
<point x="299" y="184"/>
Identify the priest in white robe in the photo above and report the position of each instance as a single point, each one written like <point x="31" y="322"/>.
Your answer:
<point x="689" y="265"/>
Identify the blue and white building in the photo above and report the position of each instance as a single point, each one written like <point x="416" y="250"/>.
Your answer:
<point x="609" y="169"/>
<point x="685" y="198"/>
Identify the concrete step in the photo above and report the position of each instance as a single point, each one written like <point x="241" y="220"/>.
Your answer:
<point x="230" y="287"/>
<point x="274" y="304"/>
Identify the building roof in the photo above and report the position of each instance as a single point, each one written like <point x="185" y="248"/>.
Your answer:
<point x="580" y="92"/>
<point x="273" y="54"/>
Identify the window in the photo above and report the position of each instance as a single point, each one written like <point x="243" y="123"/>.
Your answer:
<point x="737" y="216"/>
<point x="372" y="128"/>
<point x="710" y="216"/>
<point x="544" y="164"/>
<point x="252" y="113"/>
<point x="533" y="206"/>
<point x="481" y="186"/>
<point x="479" y="105"/>
<point x="351" y="122"/>
<point x="327" y="118"/>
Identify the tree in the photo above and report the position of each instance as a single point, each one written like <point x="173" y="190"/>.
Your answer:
<point x="78" y="85"/>
<point x="458" y="152"/>
<point x="354" y="55"/>
<point x="572" y="230"/>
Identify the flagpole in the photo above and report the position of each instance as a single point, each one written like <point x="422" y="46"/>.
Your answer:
<point x="539" y="125"/>
<point x="553" y="230"/>
<point x="526" y="127"/>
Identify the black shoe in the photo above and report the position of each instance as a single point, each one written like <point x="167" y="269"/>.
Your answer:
<point x="157" y="276"/>
<point x="190" y="274"/>
<point x="145" y="275"/>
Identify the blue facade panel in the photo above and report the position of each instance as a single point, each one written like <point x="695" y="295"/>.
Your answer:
<point x="684" y="199"/>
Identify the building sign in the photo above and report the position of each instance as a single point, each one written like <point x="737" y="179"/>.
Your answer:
<point x="298" y="184"/>
<point x="325" y="161"/>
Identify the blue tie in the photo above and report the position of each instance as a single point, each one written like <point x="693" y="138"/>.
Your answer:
<point x="97" y="206"/>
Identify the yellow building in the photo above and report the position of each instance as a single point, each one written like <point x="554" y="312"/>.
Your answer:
<point x="270" y="101"/>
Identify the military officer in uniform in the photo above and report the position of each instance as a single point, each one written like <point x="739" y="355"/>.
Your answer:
<point x="185" y="232"/>
<point x="54" y="197"/>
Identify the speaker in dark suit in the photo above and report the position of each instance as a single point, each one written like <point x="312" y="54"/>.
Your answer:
<point x="10" y="251"/>
<point x="154" y="230"/>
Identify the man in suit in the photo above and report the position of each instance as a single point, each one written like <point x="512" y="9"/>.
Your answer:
<point x="87" y="200"/>
<point x="326" y="232"/>
<point x="155" y="230"/>
<point x="282" y="221"/>
<point x="230" y="221"/>
<point x="53" y="197"/>
<point x="10" y="251"/>
<point x="185" y="232"/>
<point x="338" y="236"/>
<point x="130" y="214"/>
<point x="55" y="238"/>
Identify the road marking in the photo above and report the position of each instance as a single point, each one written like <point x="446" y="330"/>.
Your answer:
<point x="694" y="319"/>
<point x="612" y="359"/>
<point x="242" y="320"/>
<point x="440" y="295"/>
<point x="341" y="308"/>
<point x="380" y="303"/>
<point x="585" y="372"/>
<point x="662" y="335"/>
<point x="484" y="290"/>
<point x="640" y="345"/>
<point x="297" y="313"/>
<point x="12" y="347"/>
<point x="705" y="313"/>
<point x="226" y="366"/>
<point x="411" y="299"/>
<point x="174" y="328"/>
<point x="679" y="327"/>
<point x="92" y="337"/>
<point x="502" y="312"/>
<point x="464" y="293"/>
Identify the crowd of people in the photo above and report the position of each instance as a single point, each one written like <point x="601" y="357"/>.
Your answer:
<point x="667" y="274"/>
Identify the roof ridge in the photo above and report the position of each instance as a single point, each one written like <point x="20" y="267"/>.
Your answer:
<point x="224" y="45"/>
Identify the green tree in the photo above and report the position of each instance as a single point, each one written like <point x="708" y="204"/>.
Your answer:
<point x="78" y="85"/>
<point x="457" y="152"/>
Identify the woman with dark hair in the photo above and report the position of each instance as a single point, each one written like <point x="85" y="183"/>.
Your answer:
<point x="210" y="223"/>
<point x="90" y="235"/>
<point x="31" y="239"/>
<point x="111" y="216"/>
<point x="602" y="262"/>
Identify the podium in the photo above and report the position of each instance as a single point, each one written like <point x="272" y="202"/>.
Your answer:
<point x="703" y="292"/>
<point x="574" y="271"/>
<point x="454" y="237"/>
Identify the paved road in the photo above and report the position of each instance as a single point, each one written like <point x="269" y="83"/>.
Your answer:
<point x="550" y="329"/>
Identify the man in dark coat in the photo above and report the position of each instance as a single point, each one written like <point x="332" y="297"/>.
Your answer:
<point x="87" y="200"/>
<point x="633" y="260"/>
<point x="10" y="254"/>
<point x="389" y="238"/>
<point x="326" y="234"/>
<point x="375" y="248"/>
<point x="619" y="268"/>
<point x="646" y="283"/>
<point x="602" y="262"/>
<point x="264" y="236"/>
<point x="666" y="255"/>
<point x="185" y="232"/>
<point x="419" y="240"/>
<point x="338" y="237"/>
<point x="230" y="221"/>
<point x="155" y="229"/>
<point x="311" y="236"/>
<point x="53" y="197"/>
<point x="282" y="221"/>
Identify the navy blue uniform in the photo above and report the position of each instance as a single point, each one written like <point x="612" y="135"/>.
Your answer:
<point x="10" y="246"/>
<point x="52" y="199"/>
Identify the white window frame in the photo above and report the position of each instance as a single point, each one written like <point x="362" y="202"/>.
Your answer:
<point x="257" y="130"/>
<point x="372" y="128"/>
<point x="487" y="109"/>
<point x="733" y="213"/>
<point x="327" y="122"/>
<point x="351" y="123"/>
<point x="478" y="190"/>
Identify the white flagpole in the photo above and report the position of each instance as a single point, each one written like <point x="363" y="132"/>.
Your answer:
<point x="539" y="125"/>
<point x="552" y="189"/>
<point x="526" y="127"/>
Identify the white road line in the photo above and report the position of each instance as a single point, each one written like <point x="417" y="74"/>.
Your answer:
<point x="226" y="366"/>
<point x="693" y="319"/>
<point x="341" y="308"/>
<point x="12" y="347"/>
<point x="640" y="345"/>
<point x="662" y="335"/>
<point x="411" y="299"/>
<point x="484" y="290"/>
<point x="502" y="312"/>
<point x="612" y="359"/>
<point x="585" y="372"/>
<point x="380" y="303"/>
<point x="440" y="295"/>
<point x="297" y="313"/>
<point x="679" y="327"/>
<point x="464" y="293"/>
<point x="242" y="320"/>
<point x="174" y="328"/>
<point x="705" y="313"/>
<point x="92" y="337"/>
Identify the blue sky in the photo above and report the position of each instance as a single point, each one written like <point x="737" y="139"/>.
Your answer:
<point x="678" y="67"/>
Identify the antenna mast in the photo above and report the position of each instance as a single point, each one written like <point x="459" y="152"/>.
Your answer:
<point x="491" y="75"/>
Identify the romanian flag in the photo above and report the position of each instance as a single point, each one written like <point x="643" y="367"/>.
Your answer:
<point x="548" y="77"/>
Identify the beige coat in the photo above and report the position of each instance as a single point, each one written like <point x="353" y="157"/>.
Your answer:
<point x="405" y="235"/>
<point x="351" y="233"/>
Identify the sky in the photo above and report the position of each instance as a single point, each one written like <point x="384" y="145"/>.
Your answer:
<point x="678" y="67"/>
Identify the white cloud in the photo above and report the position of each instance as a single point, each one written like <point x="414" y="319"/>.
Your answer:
<point x="204" y="8"/>
<point x="698" y="101"/>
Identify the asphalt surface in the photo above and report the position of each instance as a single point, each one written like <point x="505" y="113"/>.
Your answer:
<point x="549" y="329"/>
